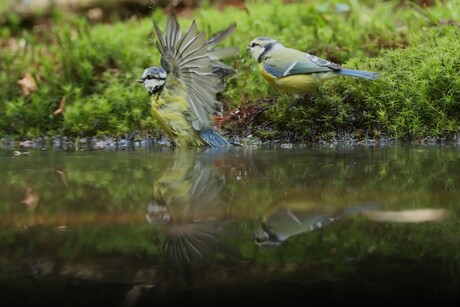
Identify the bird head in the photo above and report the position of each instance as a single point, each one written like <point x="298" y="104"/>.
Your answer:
<point x="157" y="212"/>
<point x="153" y="79"/>
<point x="261" y="46"/>
<point x="265" y="238"/>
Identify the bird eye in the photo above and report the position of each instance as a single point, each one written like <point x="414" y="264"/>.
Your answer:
<point x="253" y="45"/>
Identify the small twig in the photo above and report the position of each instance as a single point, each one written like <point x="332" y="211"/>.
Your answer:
<point x="60" y="109"/>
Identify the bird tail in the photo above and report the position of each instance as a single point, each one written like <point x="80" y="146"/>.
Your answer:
<point x="213" y="138"/>
<point x="358" y="73"/>
<point x="357" y="209"/>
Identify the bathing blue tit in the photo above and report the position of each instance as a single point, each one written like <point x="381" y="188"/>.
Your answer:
<point x="188" y="188"/>
<point x="187" y="201"/>
<point x="286" y="221"/>
<point x="183" y="90"/>
<point x="294" y="71"/>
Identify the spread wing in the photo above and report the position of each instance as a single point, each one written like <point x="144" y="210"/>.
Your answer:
<point x="299" y="63"/>
<point x="219" y="68"/>
<point x="187" y="58"/>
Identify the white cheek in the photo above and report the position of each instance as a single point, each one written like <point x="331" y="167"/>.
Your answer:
<point x="256" y="52"/>
<point x="153" y="83"/>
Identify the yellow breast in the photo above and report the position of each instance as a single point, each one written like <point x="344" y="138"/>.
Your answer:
<point x="266" y="75"/>
<point x="170" y="108"/>
<point x="297" y="83"/>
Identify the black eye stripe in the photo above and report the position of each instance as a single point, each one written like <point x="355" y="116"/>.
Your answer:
<point x="150" y="77"/>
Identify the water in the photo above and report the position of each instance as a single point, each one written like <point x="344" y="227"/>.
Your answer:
<point x="325" y="225"/>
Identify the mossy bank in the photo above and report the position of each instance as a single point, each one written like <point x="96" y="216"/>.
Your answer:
<point x="78" y="77"/>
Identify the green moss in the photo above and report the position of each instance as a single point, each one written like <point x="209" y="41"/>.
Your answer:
<point x="94" y="66"/>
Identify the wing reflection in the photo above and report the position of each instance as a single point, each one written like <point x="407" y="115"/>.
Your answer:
<point x="290" y="219"/>
<point x="187" y="202"/>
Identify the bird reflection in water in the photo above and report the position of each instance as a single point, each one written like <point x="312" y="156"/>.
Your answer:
<point x="292" y="218"/>
<point x="187" y="202"/>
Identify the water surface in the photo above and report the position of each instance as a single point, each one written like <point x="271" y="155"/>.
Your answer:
<point x="375" y="224"/>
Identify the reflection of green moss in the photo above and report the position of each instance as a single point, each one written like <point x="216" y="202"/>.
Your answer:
<point x="98" y="248"/>
<point x="83" y="242"/>
<point x="336" y="249"/>
<point x="95" y="66"/>
<point x="400" y="177"/>
<point x="79" y="189"/>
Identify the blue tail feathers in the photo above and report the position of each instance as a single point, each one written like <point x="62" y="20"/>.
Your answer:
<point x="213" y="138"/>
<point x="358" y="73"/>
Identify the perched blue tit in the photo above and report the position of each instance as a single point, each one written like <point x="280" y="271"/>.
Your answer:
<point x="294" y="71"/>
<point x="183" y="91"/>
<point x="287" y="220"/>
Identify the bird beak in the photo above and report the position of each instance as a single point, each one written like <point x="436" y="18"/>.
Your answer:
<point x="140" y="80"/>
<point x="248" y="48"/>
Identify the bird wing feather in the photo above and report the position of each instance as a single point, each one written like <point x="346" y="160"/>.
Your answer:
<point x="220" y="69"/>
<point x="299" y="63"/>
<point x="186" y="57"/>
<point x="220" y="36"/>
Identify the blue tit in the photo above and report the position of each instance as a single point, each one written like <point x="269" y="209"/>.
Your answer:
<point x="294" y="71"/>
<point x="183" y="90"/>
<point x="286" y="221"/>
